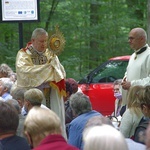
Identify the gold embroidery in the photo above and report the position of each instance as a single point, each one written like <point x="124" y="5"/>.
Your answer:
<point x="37" y="58"/>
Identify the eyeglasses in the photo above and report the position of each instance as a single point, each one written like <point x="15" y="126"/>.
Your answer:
<point x="131" y="38"/>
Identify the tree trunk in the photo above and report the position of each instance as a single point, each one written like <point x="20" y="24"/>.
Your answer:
<point x="148" y="21"/>
<point x="94" y="19"/>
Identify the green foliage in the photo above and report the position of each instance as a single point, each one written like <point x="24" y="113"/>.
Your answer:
<point x="95" y="30"/>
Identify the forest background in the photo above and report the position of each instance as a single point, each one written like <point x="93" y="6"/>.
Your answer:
<point x="94" y="30"/>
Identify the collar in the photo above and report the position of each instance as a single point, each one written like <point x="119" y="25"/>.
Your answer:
<point x="34" y="51"/>
<point x="51" y="138"/>
<point x="5" y="95"/>
<point x="140" y="51"/>
<point x="40" y="53"/>
<point x="7" y="135"/>
<point x="31" y="48"/>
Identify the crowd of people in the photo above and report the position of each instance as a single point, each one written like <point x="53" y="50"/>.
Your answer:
<point x="42" y="109"/>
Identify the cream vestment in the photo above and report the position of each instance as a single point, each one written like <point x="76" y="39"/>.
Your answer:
<point x="44" y="71"/>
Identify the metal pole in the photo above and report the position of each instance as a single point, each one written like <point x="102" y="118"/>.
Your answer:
<point x="20" y="34"/>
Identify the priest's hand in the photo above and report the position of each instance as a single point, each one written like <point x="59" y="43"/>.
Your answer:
<point x="126" y="85"/>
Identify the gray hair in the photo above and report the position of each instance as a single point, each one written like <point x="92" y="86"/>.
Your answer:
<point x="18" y="93"/>
<point x="14" y="103"/>
<point x="80" y="103"/>
<point x="6" y="83"/>
<point x="98" y="121"/>
<point x="34" y="96"/>
<point x="104" y="137"/>
<point x="37" y="32"/>
<point x="5" y="69"/>
<point x="117" y="82"/>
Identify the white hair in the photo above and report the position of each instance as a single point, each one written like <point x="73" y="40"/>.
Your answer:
<point x="6" y="83"/>
<point x="103" y="137"/>
<point x="37" y="32"/>
<point x="41" y="121"/>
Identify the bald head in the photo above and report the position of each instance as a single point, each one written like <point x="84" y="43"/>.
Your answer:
<point x="140" y="32"/>
<point x="137" y="38"/>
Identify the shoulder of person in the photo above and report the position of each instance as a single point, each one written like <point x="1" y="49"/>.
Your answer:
<point x="134" y="145"/>
<point x="127" y="111"/>
<point x="24" y="52"/>
<point x="143" y="124"/>
<point x="140" y="130"/>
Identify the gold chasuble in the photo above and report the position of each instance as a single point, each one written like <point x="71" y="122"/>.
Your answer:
<point x="35" y="69"/>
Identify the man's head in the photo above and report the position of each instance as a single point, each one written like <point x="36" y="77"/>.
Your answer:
<point x="137" y="38"/>
<point x="8" y="119"/>
<point x="18" y="94"/>
<point x="39" y="123"/>
<point x="80" y="103"/>
<point x="39" y="39"/>
<point x="14" y="103"/>
<point x="5" y="85"/>
<point x="33" y="97"/>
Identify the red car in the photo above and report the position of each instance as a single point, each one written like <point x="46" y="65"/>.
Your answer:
<point x="98" y="84"/>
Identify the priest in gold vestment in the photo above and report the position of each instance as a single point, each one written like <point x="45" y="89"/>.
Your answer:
<point x="37" y="66"/>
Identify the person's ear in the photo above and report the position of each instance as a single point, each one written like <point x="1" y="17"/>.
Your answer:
<point x="32" y="40"/>
<point x="29" y="138"/>
<point x="5" y="89"/>
<point x="28" y="103"/>
<point x="20" y="103"/>
<point x="145" y="109"/>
